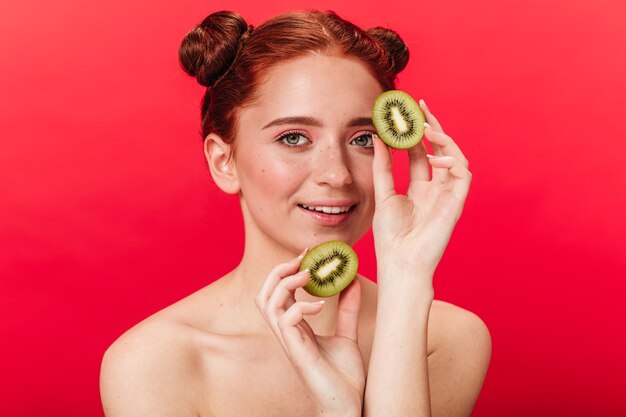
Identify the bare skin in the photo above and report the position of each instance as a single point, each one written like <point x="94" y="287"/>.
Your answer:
<point x="214" y="353"/>
<point x="218" y="358"/>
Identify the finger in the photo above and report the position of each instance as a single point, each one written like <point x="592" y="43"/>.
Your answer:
<point x="443" y="144"/>
<point x="381" y="167"/>
<point x="430" y="118"/>
<point x="296" y="344"/>
<point x="285" y="291"/>
<point x="419" y="168"/>
<point x="433" y="125"/>
<point x="281" y="300"/>
<point x="348" y="311"/>
<point x="306" y="327"/>
<point x="457" y="170"/>
<point x="274" y="277"/>
<point x="295" y="313"/>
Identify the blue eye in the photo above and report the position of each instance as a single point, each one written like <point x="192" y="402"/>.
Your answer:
<point x="366" y="140"/>
<point x="292" y="139"/>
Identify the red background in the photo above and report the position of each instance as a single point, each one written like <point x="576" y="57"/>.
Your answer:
<point x="108" y="212"/>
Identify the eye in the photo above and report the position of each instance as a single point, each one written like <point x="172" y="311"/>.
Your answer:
<point x="293" y="139"/>
<point x="365" y="140"/>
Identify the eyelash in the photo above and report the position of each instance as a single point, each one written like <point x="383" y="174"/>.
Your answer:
<point x="281" y="139"/>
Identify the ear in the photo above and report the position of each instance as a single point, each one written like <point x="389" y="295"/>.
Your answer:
<point x="221" y="163"/>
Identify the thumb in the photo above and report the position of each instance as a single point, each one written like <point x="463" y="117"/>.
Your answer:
<point x="348" y="311"/>
<point x="381" y="167"/>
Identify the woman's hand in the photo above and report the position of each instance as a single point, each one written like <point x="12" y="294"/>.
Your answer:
<point x="412" y="231"/>
<point x="331" y="367"/>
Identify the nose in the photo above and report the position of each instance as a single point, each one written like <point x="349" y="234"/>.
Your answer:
<point x="330" y="165"/>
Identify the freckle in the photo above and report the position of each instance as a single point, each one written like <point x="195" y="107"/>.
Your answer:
<point x="263" y="170"/>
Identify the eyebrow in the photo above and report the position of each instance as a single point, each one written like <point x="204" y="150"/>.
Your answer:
<point x="311" y="121"/>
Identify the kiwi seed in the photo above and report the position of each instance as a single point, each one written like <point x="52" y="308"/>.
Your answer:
<point x="398" y="119"/>
<point x="332" y="267"/>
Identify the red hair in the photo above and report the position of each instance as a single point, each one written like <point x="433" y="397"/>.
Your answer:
<point x="229" y="57"/>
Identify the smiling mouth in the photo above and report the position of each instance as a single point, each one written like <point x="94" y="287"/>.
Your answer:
<point x="329" y="210"/>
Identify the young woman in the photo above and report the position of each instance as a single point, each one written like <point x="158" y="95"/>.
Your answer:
<point x="286" y="123"/>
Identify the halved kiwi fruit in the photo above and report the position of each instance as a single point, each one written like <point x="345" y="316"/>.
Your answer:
<point x="332" y="267"/>
<point x="398" y="119"/>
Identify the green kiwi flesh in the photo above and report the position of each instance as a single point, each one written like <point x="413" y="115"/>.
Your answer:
<point x="398" y="119"/>
<point x="332" y="267"/>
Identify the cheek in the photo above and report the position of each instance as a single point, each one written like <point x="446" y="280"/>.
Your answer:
<point x="366" y="185"/>
<point x="265" y="174"/>
<point x="365" y="174"/>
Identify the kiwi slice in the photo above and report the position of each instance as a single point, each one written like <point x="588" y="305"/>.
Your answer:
<point x="398" y="119"/>
<point x="332" y="267"/>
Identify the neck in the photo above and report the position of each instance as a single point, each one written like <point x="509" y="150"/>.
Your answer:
<point x="261" y="255"/>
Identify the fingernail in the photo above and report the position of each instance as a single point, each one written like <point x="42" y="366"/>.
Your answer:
<point x="303" y="272"/>
<point x="423" y="103"/>
<point x="302" y="254"/>
<point x="426" y="125"/>
<point x="319" y="302"/>
<point x="436" y="157"/>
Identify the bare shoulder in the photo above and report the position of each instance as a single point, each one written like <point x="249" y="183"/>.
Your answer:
<point x="149" y="370"/>
<point x="459" y="352"/>
<point x="449" y="325"/>
<point x="458" y="359"/>
<point x="460" y="327"/>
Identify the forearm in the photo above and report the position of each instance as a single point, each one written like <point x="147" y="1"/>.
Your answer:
<point x="397" y="380"/>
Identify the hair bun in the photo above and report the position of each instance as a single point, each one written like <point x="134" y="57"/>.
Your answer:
<point x="209" y="49"/>
<point x="393" y="44"/>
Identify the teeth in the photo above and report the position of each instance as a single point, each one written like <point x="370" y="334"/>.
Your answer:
<point x="328" y="210"/>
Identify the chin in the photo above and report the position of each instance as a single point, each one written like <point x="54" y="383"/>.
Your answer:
<point x="320" y="236"/>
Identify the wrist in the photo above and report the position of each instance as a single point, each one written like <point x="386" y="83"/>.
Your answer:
<point x="386" y="262"/>
<point x="390" y="260"/>
<point x="396" y="282"/>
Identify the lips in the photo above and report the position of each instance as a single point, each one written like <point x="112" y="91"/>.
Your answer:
<point x="327" y="213"/>
<point x="328" y="209"/>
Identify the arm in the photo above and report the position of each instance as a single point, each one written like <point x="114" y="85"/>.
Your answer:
<point x="411" y="233"/>
<point x="397" y="382"/>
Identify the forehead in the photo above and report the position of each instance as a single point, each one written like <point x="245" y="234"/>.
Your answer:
<point x="331" y="88"/>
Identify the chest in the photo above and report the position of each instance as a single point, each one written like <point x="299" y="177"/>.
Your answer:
<point x="255" y="385"/>
<point x="251" y="376"/>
